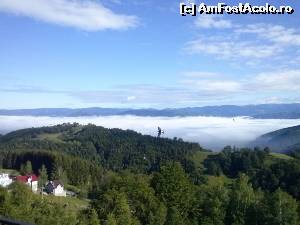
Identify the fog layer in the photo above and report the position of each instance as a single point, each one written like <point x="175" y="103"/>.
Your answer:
<point x="210" y="132"/>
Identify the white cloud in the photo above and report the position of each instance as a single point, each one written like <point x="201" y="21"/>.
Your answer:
<point x="258" y="44"/>
<point x="274" y="33"/>
<point x="214" y="86"/>
<point x="199" y="74"/>
<point x="234" y="49"/>
<point x="131" y="98"/>
<point x="193" y="88"/>
<point x="208" y="131"/>
<point x="286" y="80"/>
<point x="83" y="14"/>
<point x="281" y="82"/>
<point x="212" y="21"/>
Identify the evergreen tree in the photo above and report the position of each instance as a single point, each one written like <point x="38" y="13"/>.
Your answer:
<point x="242" y="199"/>
<point x="88" y="217"/>
<point x="174" y="217"/>
<point x="280" y="209"/>
<point x="93" y="217"/>
<point x="58" y="173"/>
<point x="3" y="201"/>
<point x="43" y="176"/>
<point x="26" y="169"/>
<point x="212" y="202"/>
<point x="111" y="220"/>
<point x="174" y="188"/>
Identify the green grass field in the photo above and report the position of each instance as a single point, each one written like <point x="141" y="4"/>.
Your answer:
<point x="10" y="172"/>
<point x="72" y="204"/>
<point x="50" y="137"/>
<point x="280" y="156"/>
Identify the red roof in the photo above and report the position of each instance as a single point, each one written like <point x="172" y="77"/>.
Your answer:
<point x="24" y="179"/>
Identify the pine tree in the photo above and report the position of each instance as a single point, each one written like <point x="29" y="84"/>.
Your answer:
<point x="174" y="188"/>
<point x="43" y="176"/>
<point x="58" y="173"/>
<point x="242" y="199"/>
<point x="280" y="208"/>
<point x="26" y="169"/>
<point x="111" y="219"/>
<point x="174" y="217"/>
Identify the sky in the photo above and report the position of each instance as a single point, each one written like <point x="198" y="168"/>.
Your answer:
<point x="143" y="53"/>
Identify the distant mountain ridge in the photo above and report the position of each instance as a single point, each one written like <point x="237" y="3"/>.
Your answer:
<point x="284" y="140"/>
<point x="263" y="111"/>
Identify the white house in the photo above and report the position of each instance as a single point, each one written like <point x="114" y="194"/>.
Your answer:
<point x="56" y="188"/>
<point x="5" y="180"/>
<point x="30" y="180"/>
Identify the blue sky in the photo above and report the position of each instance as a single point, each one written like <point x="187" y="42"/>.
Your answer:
<point x="142" y="53"/>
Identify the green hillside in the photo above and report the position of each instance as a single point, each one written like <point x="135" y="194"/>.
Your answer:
<point x="125" y="178"/>
<point x="283" y="140"/>
<point x="113" y="149"/>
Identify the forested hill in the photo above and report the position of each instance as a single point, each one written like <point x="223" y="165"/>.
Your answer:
<point x="285" y="140"/>
<point x="113" y="148"/>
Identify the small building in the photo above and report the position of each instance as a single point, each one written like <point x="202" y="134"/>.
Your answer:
<point x="30" y="180"/>
<point x="56" y="188"/>
<point x="5" y="180"/>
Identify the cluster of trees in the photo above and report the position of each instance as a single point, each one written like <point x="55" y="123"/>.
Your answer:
<point x="232" y="161"/>
<point x="265" y="172"/>
<point x="170" y="198"/>
<point x="49" y="139"/>
<point x="114" y="149"/>
<point x="167" y="197"/>
<point x="71" y="170"/>
<point x="21" y="204"/>
<point x="133" y="179"/>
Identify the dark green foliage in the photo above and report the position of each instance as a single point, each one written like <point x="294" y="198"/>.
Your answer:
<point x="284" y="174"/>
<point x="58" y="173"/>
<point x="147" y="180"/>
<point x="117" y="192"/>
<point x="174" y="217"/>
<point x="264" y="172"/>
<point x="88" y="217"/>
<point x="59" y="166"/>
<point x="231" y="162"/>
<point x="115" y="149"/>
<point x="279" y="208"/>
<point x="174" y="189"/>
<point x="242" y="203"/>
<point x="26" y="169"/>
<point x="212" y="202"/>
<point x="43" y="176"/>
<point x="23" y="205"/>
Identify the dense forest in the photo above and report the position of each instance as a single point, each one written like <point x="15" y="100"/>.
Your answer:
<point x="113" y="149"/>
<point x="130" y="179"/>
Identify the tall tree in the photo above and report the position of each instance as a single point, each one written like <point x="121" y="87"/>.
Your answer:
<point x="174" y="217"/>
<point x="242" y="199"/>
<point x="111" y="219"/>
<point x="212" y="202"/>
<point x="280" y="209"/>
<point x="43" y="176"/>
<point x="58" y="173"/>
<point x="174" y="188"/>
<point x="26" y="169"/>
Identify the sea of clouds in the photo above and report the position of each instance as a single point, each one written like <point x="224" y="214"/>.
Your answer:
<point x="210" y="132"/>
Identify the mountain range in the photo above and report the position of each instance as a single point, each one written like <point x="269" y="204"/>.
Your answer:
<point x="262" y="111"/>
